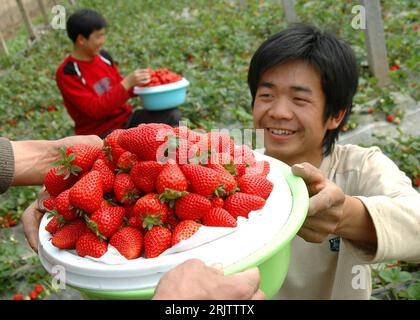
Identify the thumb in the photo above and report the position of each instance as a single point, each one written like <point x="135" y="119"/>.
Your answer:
<point x="313" y="177"/>
<point x="251" y="277"/>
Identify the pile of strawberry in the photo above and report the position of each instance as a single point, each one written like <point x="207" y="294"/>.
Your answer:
<point x="121" y="195"/>
<point x="161" y="76"/>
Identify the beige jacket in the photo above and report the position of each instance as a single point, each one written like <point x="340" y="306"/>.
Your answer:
<point x="338" y="269"/>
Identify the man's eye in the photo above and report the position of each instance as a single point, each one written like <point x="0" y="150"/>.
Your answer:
<point x="300" y="100"/>
<point x="265" y="95"/>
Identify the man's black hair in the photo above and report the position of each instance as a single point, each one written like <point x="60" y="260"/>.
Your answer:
<point x="330" y="56"/>
<point x="84" y="22"/>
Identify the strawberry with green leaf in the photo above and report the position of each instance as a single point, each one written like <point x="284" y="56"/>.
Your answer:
<point x="149" y="211"/>
<point x="106" y="221"/>
<point x="79" y="158"/>
<point x="58" y="180"/>
<point x="171" y="183"/>
<point x="125" y="190"/>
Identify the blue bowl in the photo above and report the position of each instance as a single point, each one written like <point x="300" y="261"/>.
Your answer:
<point x="163" y="97"/>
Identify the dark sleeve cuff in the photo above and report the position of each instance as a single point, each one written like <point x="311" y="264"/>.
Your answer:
<point x="7" y="164"/>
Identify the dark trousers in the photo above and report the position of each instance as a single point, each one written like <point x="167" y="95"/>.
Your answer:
<point x="170" y="117"/>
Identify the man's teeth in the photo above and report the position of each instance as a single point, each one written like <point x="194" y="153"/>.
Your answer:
<point x="276" y="131"/>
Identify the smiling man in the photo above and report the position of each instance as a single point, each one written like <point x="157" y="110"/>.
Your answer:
<point x="94" y="92"/>
<point x="362" y="208"/>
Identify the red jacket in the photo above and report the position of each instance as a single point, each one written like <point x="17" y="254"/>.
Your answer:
<point x="93" y="94"/>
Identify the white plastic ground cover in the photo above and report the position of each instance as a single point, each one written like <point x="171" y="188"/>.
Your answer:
<point x="250" y="235"/>
<point x="164" y="87"/>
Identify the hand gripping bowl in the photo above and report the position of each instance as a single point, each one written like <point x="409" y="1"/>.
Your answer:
<point x="264" y="240"/>
<point x="166" y="96"/>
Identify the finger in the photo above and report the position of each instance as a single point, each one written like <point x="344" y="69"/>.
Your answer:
<point x="325" y="200"/>
<point x="251" y="277"/>
<point x="319" y="202"/>
<point x="259" y="295"/>
<point x="218" y="267"/>
<point x="31" y="219"/>
<point x="311" y="235"/>
<point x="312" y="176"/>
<point x="42" y="195"/>
<point x="321" y="225"/>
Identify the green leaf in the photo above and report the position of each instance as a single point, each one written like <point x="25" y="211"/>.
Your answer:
<point x="414" y="291"/>
<point x="395" y="275"/>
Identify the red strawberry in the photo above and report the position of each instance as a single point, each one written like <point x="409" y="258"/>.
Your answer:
<point x="67" y="236"/>
<point x="219" y="217"/>
<point x="192" y="206"/>
<point x="172" y="220"/>
<point x="111" y="146"/>
<point x="255" y="184"/>
<point x="261" y="168"/>
<point x="149" y="210"/>
<point x="144" y="175"/>
<point x="241" y="204"/>
<point x="64" y="207"/>
<point x="177" y="149"/>
<point x="184" y="230"/>
<point x="244" y="155"/>
<point x="145" y="140"/>
<point x="58" y="180"/>
<point x="124" y="189"/>
<point x="185" y="133"/>
<point x="106" y="221"/>
<point x="53" y="225"/>
<point x="108" y="177"/>
<point x="128" y="241"/>
<point x="203" y="180"/>
<point x="80" y="157"/>
<point x="129" y="210"/>
<point x="49" y="203"/>
<point x="87" y="193"/>
<point x="228" y="182"/>
<point x="217" y="202"/>
<point x="156" y="241"/>
<point x="172" y="178"/>
<point x="220" y="142"/>
<point x="126" y="161"/>
<point x="90" y="245"/>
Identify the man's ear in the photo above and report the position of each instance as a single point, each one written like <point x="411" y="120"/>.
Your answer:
<point x="334" y="121"/>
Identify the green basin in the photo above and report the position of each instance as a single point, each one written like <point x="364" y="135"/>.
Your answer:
<point x="272" y="259"/>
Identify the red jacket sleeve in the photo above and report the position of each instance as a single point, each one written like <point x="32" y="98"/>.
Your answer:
<point x="96" y="107"/>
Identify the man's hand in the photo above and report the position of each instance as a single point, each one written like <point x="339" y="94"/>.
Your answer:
<point x="139" y="76"/>
<point x="326" y="204"/>
<point x="34" y="158"/>
<point x="31" y="219"/>
<point x="193" y="280"/>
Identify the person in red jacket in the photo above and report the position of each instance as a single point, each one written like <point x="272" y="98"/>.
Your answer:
<point x="94" y="93"/>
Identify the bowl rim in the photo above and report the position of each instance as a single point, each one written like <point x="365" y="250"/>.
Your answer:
<point x="183" y="83"/>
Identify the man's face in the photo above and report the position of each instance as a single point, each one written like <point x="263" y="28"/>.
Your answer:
<point x="289" y="105"/>
<point x="94" y="43"/>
